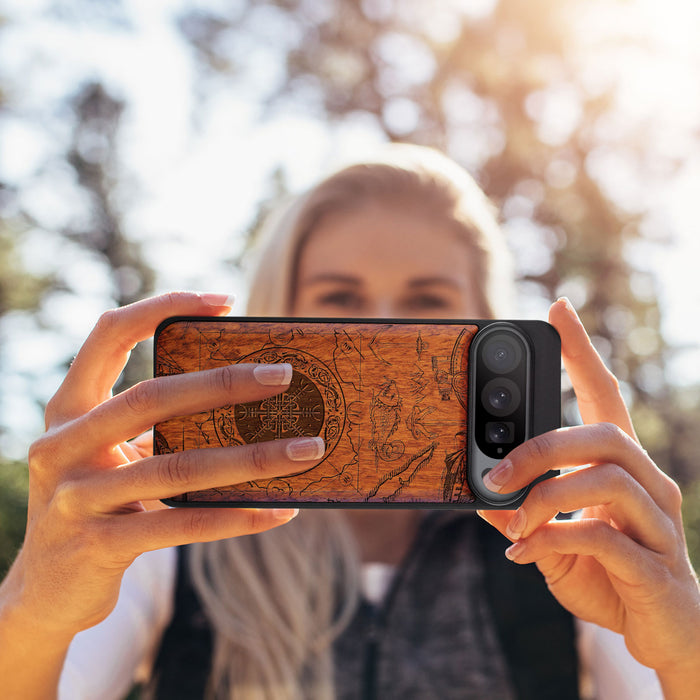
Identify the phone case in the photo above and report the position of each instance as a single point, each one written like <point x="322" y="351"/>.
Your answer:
<point x="390" y="398"/>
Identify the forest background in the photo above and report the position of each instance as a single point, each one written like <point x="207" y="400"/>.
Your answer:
<point x="140" y="144"/>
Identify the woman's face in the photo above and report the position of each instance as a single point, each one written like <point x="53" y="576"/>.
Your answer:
<point x="385" y="261"/>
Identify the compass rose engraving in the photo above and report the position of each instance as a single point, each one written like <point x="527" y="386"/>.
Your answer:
<point x="297" y="412"/>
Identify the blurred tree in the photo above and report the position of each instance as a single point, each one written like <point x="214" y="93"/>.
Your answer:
<point x="92" y="233"/>
<point x="97" y="233"/>
<point x="18" y="291"/>
<point x="94" y="156"/>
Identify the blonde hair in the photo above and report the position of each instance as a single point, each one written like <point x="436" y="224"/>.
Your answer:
<point x="277" y="600"/>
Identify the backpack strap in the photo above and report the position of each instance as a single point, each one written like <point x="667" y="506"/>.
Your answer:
<point x="183" y="664"/>
<point x="536" y="633"/>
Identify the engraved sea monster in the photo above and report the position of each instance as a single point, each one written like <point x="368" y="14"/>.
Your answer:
<point x="384" y="414"/>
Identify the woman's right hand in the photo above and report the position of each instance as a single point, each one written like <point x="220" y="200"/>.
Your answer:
<point x="88" y="513"/>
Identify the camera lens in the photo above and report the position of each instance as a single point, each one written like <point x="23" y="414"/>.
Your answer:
<point x="499" y="432"/>
<point x="500" y="396"/>
<point x="502" y="353"/>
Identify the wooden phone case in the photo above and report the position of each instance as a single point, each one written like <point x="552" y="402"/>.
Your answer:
<point x="389" y="398"/>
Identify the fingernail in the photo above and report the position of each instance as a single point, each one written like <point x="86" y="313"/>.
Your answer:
<point x="273" y="375"/>
<point x="517" y="525"/>
<point x="499" y="476"/>
<point x="515" y="550"/>
<point x="569" y="306"/>
<point x="302" y="449"/>
<point x="285" y="514"/>
<point x="218" y="299"/>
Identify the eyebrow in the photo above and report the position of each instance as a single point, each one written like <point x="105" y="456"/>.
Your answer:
<point x="433" y="281"/>
<point x="350" y="280"/>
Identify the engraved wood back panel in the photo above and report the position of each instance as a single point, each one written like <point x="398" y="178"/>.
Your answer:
<point x="389" y="399"/>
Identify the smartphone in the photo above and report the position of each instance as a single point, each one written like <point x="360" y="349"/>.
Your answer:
<point x="413" y="413"/>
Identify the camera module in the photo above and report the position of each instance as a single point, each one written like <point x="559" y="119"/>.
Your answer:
<point x="505" y="359"/>
<point x="500" y="396"/>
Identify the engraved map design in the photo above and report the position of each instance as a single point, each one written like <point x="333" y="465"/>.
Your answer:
<point x="388" y="399"/>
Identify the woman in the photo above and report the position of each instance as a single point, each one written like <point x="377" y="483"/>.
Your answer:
<point x="412" y="236"/>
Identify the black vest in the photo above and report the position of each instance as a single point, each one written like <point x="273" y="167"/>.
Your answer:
<point x="534" y="635"/>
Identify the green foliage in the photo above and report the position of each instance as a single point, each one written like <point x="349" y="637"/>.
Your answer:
<point x="18" y="289"/>
<point x="691" y="520"/>
<point x="14" y="483"/>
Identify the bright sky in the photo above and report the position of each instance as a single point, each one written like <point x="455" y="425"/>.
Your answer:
<point x="194" y="189"/>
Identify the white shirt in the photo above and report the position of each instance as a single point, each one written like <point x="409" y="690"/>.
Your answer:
<point x="104" y="661"/>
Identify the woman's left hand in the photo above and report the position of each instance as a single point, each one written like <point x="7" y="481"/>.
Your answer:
<point x="623" y="564"/>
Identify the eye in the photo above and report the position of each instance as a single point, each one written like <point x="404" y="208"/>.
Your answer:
<point x="341" y="299"/>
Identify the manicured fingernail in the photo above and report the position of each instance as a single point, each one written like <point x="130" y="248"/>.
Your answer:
<point x="303" y="449"/>
<point x="218" y="299"/>
<point x="569" y="306"/>
<point x="285" y="514"/>
<point x="273" y="375"/>
<point x="515" y="550"/>
<point x="517" y="525"/>
<point x="499" y="476"/>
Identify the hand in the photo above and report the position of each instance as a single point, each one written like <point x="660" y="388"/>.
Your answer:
<point x="88" y="513"/>
<point x="624" y="564"/>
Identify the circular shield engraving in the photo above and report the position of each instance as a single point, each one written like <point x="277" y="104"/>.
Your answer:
<point x="299" y="411"/>
<point x="313" y="405"/>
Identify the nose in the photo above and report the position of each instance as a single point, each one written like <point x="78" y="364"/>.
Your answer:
<point x="382" y="308"/>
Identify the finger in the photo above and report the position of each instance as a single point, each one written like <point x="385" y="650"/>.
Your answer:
<point x="170" y="475"/>
<point x="102" y="357"/>
<point x="596" y="388"/>
<point x="606" y="486"/>
<point x="143" y="444"/>
<point x="579" y="445"/>
<point x="138" y="448"/>
<point x="618" y="554"/>
<point x="142" y="532"/>
<point x="497" y="518"/>
<point x="156" y="400"/>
